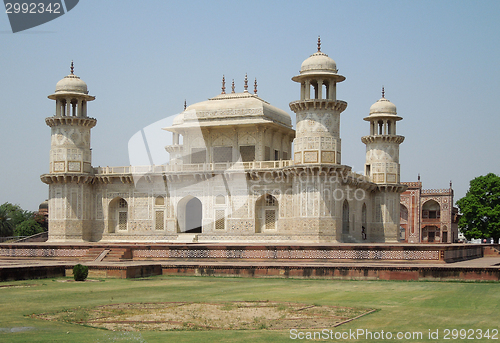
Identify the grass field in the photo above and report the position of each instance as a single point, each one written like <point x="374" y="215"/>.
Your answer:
<point x="403" y="307"/>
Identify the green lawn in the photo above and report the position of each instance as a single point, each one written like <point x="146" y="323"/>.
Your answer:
<point x="403" y="306"/>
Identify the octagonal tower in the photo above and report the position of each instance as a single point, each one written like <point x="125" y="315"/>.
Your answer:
<point x="318" y="111"/>
<point x="70" y="173"/>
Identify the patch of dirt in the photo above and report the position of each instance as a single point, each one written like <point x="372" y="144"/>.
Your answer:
<point x="18" y="286"/>
<point x="244" y="315"/>
<point x="86" y="280"/>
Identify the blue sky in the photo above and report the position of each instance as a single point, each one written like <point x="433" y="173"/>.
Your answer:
<point x="438" y="60"/>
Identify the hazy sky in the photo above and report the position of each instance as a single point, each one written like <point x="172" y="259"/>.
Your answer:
<point x="438" y="60"/>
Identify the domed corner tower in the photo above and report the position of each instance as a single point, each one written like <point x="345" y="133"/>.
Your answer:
<point x="382" y="167"/>
<point x="318" y="111"/>
<point x="70" y="172"/>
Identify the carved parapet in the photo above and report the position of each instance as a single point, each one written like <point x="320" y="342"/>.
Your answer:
<point x="335" y="172"/>
<point x="318" y="104"/>
<point x="437" y="191"/>
<point x="67" y="178"/>
<point x="412" y="184"/>
<point x="106" y="179"/>
<point x="174" y="149"/>
<point x="392" y="188"/>
<point x="383" y="139"/>
<point x="66" y="120"/>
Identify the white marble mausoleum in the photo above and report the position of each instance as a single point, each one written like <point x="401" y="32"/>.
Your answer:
<point x="238" y="172"/>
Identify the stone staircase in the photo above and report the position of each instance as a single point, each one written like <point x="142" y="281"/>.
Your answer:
<point x="108" y="255"/>
<point x="93" y="254"/>
<point x="118" y="254"/>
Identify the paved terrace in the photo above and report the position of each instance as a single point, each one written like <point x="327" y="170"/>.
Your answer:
<point x="109" y="263"/>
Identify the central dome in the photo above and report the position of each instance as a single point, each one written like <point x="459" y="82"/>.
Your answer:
<point x="318" y="62"/>
<point x="233" y="108"/>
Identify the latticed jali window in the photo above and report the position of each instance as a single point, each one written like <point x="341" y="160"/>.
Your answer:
<point x="122" y="203"/>
<point x="270" y="219"/>
<point x="122" y="220"/>
<point x="247" y="153"/>
<point x="198" y="155"/>
<point x="270" y="200"/>
<point x="220" y="220"/>
<point x="267" y="153"/>
<point x="223" y="154"/>
<point x="159" y="220"/>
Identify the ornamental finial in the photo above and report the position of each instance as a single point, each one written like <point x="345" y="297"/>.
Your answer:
<point x="185" y="104"/>
<point x="255" y="87"/>
<point x="72" y="68"/>
<point x="232" y="87"/>
<point x="319" y="44"/>
<point x="223" y="84"/>
<point x="383" y="92"/>
<point x="246" y="83"/>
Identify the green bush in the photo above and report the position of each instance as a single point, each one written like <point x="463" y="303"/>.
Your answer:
<point x="80" y="272"/>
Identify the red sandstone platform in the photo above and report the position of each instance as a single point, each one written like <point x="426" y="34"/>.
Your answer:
<point x="341" y="261"/>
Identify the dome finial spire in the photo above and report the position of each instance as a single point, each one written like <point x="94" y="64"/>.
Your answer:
<point x="319" y="44"/>
<point x="383" y="92"/>
<point x="232" y="87"/>
<point x="246" y="83"/>
<point x="72" y="68"/>
<point x="223" y="84"/>
<point x="185" y="104"/>
<point x="255" y="87"/>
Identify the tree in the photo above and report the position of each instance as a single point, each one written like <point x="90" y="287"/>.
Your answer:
<point x="480" y="208"/>
<point x="16" y="214"/>
<point x="6" y="227"/>
<point x="12" y="216"/>
<point x="28" y="228"/>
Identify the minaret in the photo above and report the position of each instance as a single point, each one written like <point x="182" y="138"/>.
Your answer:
<point x="382" y="167"/>
<point x="70" y="145"/>
<point x="70" y="172"/>
<point x="318" y="111"/>
<point x="382" y="145"/>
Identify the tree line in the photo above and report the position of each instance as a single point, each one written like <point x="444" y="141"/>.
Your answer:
<point x="14" y="221"/>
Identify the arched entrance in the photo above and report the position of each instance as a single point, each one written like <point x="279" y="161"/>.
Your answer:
<point x="189" y="215"/>
<point x="266" y="213"/>
<point x="117" y="215"/>
<point x="364" y="222"/>
<point x="345" y="218"/>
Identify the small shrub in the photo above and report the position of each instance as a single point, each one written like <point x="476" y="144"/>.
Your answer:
<point x="80" y="272"/>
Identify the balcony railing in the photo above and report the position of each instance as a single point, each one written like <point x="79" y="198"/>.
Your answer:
<point x="203" y="167"/>
<point x="165" y="168"/>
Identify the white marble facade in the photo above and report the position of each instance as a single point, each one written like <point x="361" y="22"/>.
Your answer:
<point x="233" y="175"/>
